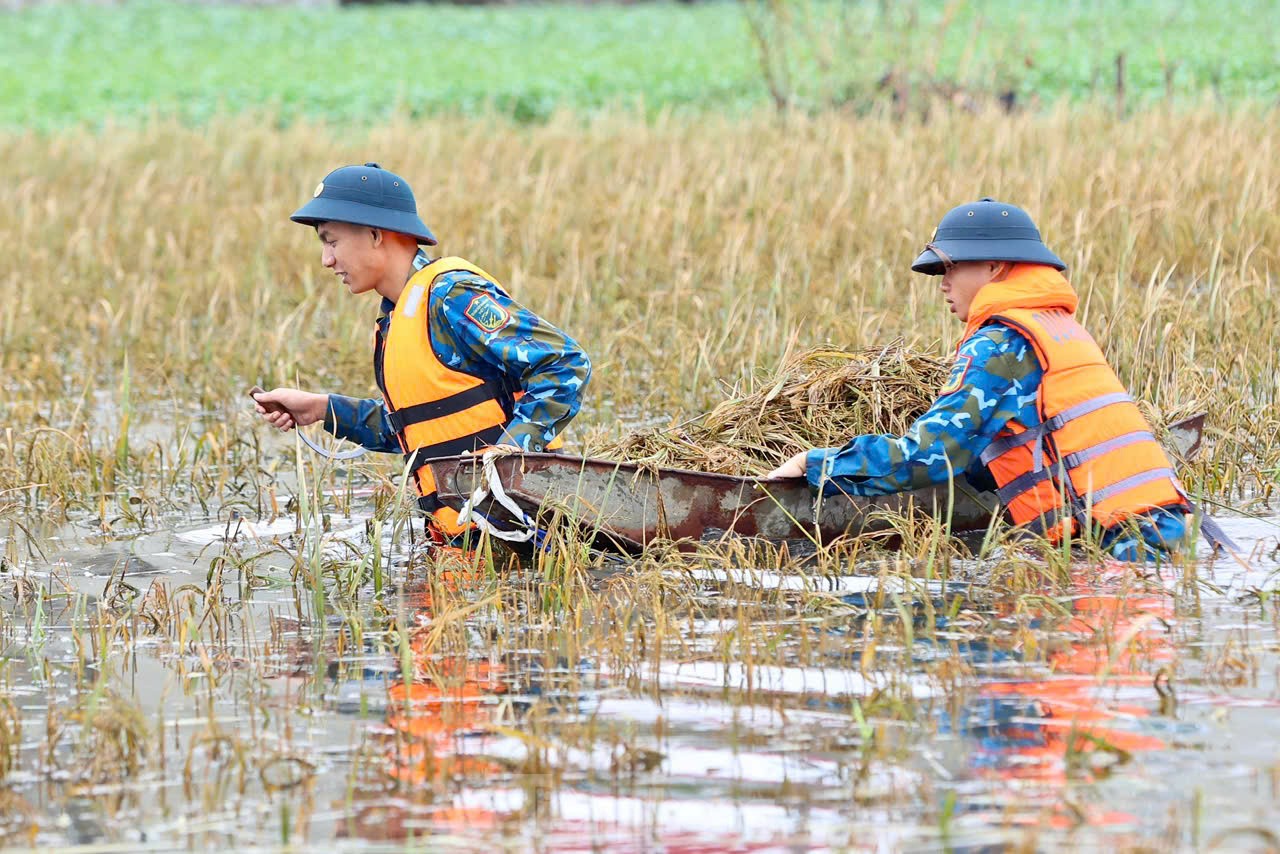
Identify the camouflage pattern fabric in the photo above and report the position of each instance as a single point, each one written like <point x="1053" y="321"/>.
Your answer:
<point x="994" y="380"/>
<point x="477" y="328"/>
<point x="1147" y="537"/>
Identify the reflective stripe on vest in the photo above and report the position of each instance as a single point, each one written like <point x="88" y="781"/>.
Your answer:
<point x="1093" y="456"/>
<point x="436" y="411"/>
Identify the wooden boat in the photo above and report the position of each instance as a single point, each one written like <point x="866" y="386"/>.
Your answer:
<point x="623" y="506"/>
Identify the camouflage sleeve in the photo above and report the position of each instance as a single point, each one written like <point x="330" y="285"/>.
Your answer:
<point x="361" y="420"/>
<point x="476" y="322"/>
<point x="994" y="379"/>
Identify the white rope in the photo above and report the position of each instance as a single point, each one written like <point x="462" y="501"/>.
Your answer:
<point x="491" y="486"/>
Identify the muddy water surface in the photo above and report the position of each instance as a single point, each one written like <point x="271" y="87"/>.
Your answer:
<point x="189" y="686"/>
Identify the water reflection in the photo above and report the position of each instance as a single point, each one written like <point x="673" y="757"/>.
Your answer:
<point x="1099" y="672"/>
<point x="767" y="728"/>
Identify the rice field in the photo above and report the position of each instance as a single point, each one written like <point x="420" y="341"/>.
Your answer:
<point x="212" y="639"/>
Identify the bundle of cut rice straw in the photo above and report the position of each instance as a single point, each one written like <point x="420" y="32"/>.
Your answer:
<point x="819" y="398"/>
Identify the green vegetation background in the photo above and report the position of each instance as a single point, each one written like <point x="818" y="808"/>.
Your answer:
<point x="68" y="64"/>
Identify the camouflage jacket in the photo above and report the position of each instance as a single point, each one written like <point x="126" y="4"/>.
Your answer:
<point x="995" y="379"/>
<point x="547" y="364"/>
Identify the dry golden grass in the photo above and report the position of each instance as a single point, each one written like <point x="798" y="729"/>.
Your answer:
<point x="681" y="253"/>
<point x="155" y="276"/>
<point x="817" y="399"/>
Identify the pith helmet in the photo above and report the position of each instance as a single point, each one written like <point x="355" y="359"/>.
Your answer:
<point x="366" y="195"/>
<point x="985" y="230"/>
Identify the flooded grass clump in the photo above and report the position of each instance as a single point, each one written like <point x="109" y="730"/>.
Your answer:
<point x="211" y="638"/>
<point x="476" y="699"/>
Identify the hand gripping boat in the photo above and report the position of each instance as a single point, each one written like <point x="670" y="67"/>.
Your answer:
<point x="623" y="507"/>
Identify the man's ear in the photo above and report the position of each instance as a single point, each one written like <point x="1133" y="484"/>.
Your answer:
<point x="377" y="236"/>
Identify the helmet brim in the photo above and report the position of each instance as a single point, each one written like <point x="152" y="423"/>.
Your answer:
<point x="320" y="210"/>
<point x="1018" y="251"/>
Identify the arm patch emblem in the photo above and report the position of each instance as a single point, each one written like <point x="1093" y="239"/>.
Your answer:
<point x="485" y="312"/>
<point x="958" y="372"/>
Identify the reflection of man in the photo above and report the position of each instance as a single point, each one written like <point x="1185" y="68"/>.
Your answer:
<point x="1029" y="729"/>
<point x="450" y="698"/>
<point x="461" y="365"/>
<point x="1031" y="397"/>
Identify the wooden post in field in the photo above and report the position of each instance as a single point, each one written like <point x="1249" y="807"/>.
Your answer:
<point x="1120" y="84"/>
<point x="1170" y="69"/>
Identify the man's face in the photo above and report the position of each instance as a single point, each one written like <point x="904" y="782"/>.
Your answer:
<point x="962" y="281"/>
<point x="352" y="252"/>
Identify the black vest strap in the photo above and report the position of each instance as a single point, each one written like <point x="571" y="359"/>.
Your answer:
<point x="451" y="405"/>
<point x="454" y="447"/>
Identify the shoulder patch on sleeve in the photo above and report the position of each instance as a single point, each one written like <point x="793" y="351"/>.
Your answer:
<point x="958" y="372"/>
<point x="485" y="312"/>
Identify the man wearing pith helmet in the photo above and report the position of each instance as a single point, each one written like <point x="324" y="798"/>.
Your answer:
<point x="461" y="365"/>
<point x="1030" y="397"/>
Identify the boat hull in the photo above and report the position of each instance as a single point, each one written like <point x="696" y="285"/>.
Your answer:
<point x="623" y="506"/>
<point x="630" y="506"/>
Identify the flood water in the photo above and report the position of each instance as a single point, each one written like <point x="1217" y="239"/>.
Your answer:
<point x="859" y="711"/>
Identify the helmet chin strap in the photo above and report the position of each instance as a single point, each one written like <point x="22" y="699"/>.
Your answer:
<point x="947" y="263"/>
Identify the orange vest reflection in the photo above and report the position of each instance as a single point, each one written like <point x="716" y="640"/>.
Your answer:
<point x="1079" y="723"/>
<point x="451" y="701"/>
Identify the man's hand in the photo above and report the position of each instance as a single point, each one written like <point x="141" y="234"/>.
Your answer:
<point x="794" y="467"/>
<point x="286" y="408"/>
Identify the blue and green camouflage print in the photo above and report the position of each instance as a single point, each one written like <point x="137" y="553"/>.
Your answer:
<point x="995" y="380"/>
<point x="477" y="328"/>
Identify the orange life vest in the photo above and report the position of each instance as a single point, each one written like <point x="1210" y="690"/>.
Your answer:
<point x="436" y="411"/>
<point x="1093" y="456"/>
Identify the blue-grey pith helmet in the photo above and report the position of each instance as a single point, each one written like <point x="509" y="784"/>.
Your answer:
<point x="985" y="230"/>
<point x="366" y="195"/>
